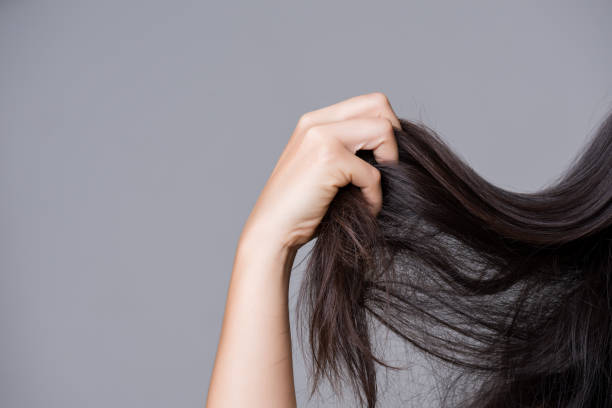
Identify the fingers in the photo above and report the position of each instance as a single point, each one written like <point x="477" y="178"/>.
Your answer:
<point x="365" y="133"/>
<point x="363" y="175"/>
<point x="364" y="122"/>
<point x="375" y="104"/>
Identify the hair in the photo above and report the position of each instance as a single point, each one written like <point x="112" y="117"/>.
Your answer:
<point x="513" y="288"/>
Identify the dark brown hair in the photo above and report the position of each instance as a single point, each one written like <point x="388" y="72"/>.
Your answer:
<point x="514" y="288"/>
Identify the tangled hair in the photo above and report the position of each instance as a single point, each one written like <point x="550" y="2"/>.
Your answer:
<point x="514" y="288"/>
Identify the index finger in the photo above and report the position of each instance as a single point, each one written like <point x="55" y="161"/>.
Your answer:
<point x="374" y="104"/>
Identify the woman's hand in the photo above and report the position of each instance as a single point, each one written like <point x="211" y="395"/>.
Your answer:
<point x="320" y="158"/>
<point x="253" y="365"/>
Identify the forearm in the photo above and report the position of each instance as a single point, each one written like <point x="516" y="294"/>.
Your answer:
<point x="253" y="366"/>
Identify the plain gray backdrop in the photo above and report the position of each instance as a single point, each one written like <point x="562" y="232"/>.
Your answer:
<point x="135" y="137"/>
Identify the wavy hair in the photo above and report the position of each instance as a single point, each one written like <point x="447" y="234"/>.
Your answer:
<point x="514" y="288"/>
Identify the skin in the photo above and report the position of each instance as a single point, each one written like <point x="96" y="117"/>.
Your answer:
<point x="253" y="365"/>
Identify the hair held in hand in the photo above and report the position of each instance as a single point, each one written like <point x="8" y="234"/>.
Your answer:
<point x="514" y="289"/>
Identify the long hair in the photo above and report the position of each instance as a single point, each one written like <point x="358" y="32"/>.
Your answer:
<point x="514" y="288"/>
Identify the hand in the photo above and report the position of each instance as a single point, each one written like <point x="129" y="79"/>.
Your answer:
<point x="319" y="159"/>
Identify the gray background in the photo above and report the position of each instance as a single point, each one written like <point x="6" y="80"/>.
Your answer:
<point x="135" y="138"/>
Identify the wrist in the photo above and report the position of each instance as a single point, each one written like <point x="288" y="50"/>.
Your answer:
<point x="273" y="255"/>
<point x="261" y="230"/>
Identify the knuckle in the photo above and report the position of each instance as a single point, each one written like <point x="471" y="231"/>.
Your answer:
<point x="305" y="120"/>
<point x="327" y="153"/>
<point x="325" y="158"/>
<point x="380" y="99"/>
<point x="315" y="134"/>
<point x="376" y="175"/>
<point x="387" y="127"/>
<point x="323" y="147"/>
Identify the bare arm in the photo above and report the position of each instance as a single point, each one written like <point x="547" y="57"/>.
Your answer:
<point x="253" y="366"/>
